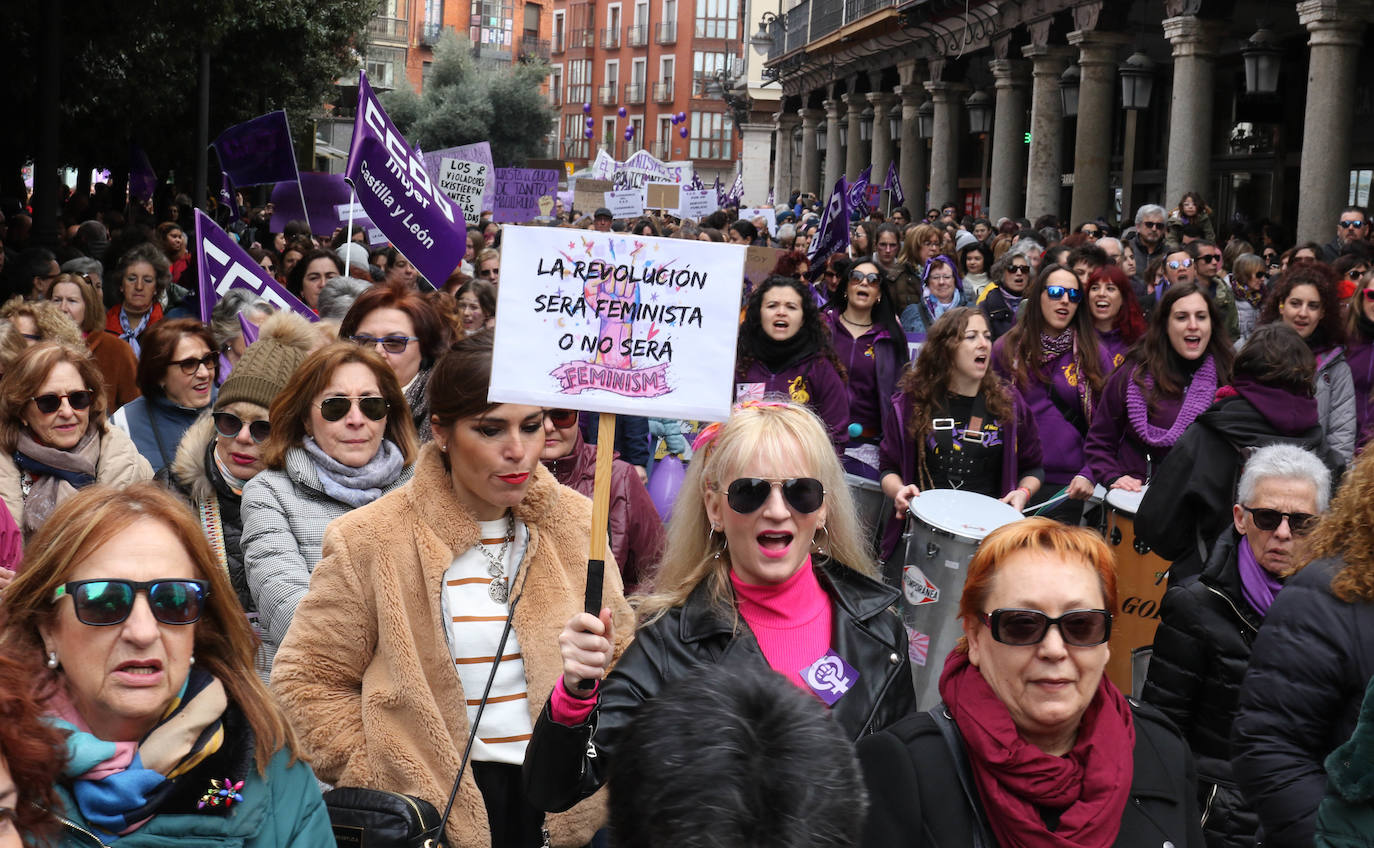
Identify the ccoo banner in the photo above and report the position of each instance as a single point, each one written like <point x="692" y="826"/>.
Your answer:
<point x="222" y="265"/>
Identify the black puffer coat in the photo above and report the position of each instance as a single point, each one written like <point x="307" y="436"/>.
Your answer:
<point x="1201" y="651"/>
<point x="865" y="631"/>
<point x="1300" y="699"/>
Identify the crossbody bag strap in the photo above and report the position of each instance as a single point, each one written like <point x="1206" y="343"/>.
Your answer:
<point x="982" y="837"/>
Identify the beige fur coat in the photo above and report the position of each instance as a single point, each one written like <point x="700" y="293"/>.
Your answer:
<point x="365" y="672"/>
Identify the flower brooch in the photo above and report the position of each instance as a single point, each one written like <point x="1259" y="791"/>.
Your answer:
<point x="222" y="793"/>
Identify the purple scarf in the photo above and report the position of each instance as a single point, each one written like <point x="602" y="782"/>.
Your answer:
<point x="1257" y="585"/>
<point x="1199" y="395"/>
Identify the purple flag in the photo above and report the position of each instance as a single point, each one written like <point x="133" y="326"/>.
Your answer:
<point x="222" y="265"/>
<point x="736" y="192"/>
<point x="398" y="194"/>
<point x="226" y="195"/>
<point x="257" y="151"/>
<point x="696" y="181"/>
<point x="894" y="184"/>
<point x="833" y="234"/>
<point x="858" y="191"/>
<point x="142" y="177"/>
<point x="249" y="330"/>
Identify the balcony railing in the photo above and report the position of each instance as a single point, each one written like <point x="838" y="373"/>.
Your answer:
<point x="704" y="149"/>
<point x="638" y="36"/>
<point x="581" y="38"/>
<point x="661" y="149"/>
<point x="666" y="32"/>
<point x="533" y="47"/>
<point x="663" y="91"/>
<point x="491" y="53"/>
<point x="580" y="93"/>
<point x="606" y="95"/>
<point x="610" y="38"/>
<point x="390" y="30"/>
<point x="576" y="148"/>
<point x="777" y="31"/>
<point x="634" y="92"/>
<point x="812" y="20"/>
<point x="798" y="25"/>
<point x="431" y="33"/>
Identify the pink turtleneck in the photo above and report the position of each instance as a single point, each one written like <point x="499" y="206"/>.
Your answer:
<point x="791" y="620"/>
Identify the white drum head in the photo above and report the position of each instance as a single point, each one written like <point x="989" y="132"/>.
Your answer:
<point x="1127" y="502"/>
<point x="965" y="514"/>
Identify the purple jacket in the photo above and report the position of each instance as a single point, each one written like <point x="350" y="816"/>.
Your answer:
<point x="1113" y="349"/>
<point x="814" y="382"/>
<point x="1359" y="355"/>
<point x="897" y="453"/>
<point x="873" y="363"/>
<point x="1112" y="448"/>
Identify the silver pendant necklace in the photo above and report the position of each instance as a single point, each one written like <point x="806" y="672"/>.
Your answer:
<point x="499" y="590"/>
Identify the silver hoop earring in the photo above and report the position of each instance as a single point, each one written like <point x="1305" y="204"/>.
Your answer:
<point x="52" y="659"/>
<point x="821" y="549"/>
<point x="723" y="542"/>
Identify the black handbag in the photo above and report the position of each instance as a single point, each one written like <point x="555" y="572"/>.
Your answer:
<point x="376" y="818"/>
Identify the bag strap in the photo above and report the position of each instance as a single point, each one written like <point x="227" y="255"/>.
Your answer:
<point x="949" y="731"/>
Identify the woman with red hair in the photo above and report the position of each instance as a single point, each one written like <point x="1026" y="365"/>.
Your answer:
<point x="31" y="758"/>
<point x="1115" y="314"/>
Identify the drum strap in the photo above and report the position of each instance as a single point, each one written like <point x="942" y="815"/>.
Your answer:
<point x="982" y="837"/>
<point x="958" y="464"/>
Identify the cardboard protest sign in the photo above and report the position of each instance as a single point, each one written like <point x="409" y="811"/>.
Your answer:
<point x="759" y="263"/>
<point x="770" y="215"/>
<point x="627" y="203"/>
<point x="519" y="192"/>
<point x="616" y="323"/>
<point x="590" y="194"/>
<point x="257" y="151"/>
<point x="662" y="196"/>
<point x="696" y="202"/>
<point x="398" y="194"/>
<point x="222" y="265"/>
<point x="479" y="152"/>
<point x="465" y="183"/>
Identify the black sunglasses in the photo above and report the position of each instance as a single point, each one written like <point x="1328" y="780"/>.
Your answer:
<point x="192" y="364"/>
<point x="562" y="418"/>
<point x="861" y="277"/>
<point x="748" y="494"/>
<point x="230" y="425"/>
<point x="334" y="408"/>
<point x="1152" y="225"/>
<point x="1059" y="292"/>
<point x="1301" y="523"/>
<point x="390" y="344"/>
<point x="101" y="603"/>
<point x="50" y="403"/>
<point x="1018" y="269"/>
<point x="1021" y="627"/>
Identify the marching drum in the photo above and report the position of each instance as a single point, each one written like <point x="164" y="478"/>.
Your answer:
<point x="873" y="507"/>
<point x="1140" y="585"/>
<point x="944" y="530"/>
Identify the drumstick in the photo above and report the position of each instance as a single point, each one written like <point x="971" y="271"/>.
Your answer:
<point x="1059" y="496"/>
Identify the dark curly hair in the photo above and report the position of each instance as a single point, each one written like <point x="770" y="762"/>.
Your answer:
<point x="752" y="338"/>
<point x="1306" y="272"/>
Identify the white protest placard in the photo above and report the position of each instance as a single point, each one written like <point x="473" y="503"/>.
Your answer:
<point x="696" y="202"/>
<point x="466" y="184"/>
<point x="770" y="214"/>
<point x="611" y="322"/>
<point x="626" y="203"/>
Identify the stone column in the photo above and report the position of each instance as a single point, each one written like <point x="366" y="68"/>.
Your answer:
<point x="810" y="177"/>
<point x="944" y="143"/>
<point x="1335" y="33"/>
<point x="1006" y="180"/>
<point x="785" y="178"/>
<point x="756" y="141"/>
<point x="856" y="154"/>
<point x="883" y="104"/>
<point x="911" y="166"/>
<point x="1044" y="171"/>
<point x="1190" y="111"/>
<point x="1092" y="191"/>
<point x="834" y="157"/>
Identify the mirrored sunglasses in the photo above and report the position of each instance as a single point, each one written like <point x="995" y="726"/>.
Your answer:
<point x="100" y="603"/>
<point x="1060" y="292"/>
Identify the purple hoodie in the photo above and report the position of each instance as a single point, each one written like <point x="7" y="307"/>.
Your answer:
<point x="1060" y="439"/>
<point x="872" y="363"/>
<point x="813" y="381"/>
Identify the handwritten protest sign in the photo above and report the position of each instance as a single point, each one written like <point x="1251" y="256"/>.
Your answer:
<point x="465" y="183"/>
<point x="697" y="202"/>
<point x="770" y="215"/>
<point x="398" y="194"/>
<point x="627" y="203"/>
<point x="519" y="192"/>
<point x="758" y="266"/>
<point x="479" y="152"/>
<point x="222" y="265"/>
<point x="616" y="323"/>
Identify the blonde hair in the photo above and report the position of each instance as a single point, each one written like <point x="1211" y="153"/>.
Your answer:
<point x="695" y="553"/>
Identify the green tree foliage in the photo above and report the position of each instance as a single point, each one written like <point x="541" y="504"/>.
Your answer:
<point x="467" y="101"/>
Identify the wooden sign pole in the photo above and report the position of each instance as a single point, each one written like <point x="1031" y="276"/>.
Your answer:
<point x="601" y="508"/>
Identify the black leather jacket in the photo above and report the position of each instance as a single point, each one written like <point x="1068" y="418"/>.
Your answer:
<point x="561" y="767"/>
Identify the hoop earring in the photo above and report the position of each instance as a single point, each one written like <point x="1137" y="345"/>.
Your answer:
<point x="724" y="543"/>
<point x="821" y="549"/>
<point x="51" y="662"/>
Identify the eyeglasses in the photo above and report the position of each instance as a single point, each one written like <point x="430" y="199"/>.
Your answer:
<point x="390" y="344"/>
<point x="1018" y="269"/>
<point x="562" y="418"/>
<point x="489" y="272"/>
<point x="50" y="403"/>
<point x="1345" y="225"/>
<point x="1152" y="225"/>
<point x="1301" y="523"/>
<point x="1368" y="295"/>
<point x="230" y="425"/>
<point x="334" y="408"/>
<point x="861" y="277"/>
<point x="1059" y="292"/>
<point x="1180" y="263"/>
<point x="101" y="603"/>
<point x="1091" y="233"/>
<point x="1209" y="257"/>
<point x="1021" y="627"/>
<point x="192" y="364"/>
<point x="748" y="494"/>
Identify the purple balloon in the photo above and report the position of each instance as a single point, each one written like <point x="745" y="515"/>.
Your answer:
<point x="588" y="132"/>
<point x="628" y="135"/>
<point x="591" y="122"/>
<point x="681" y="116"/>
<point x="682" y="132"/>
<point x="664" y="483"/>
<point x="587" y="108"/>
<point x="621" y="111"/>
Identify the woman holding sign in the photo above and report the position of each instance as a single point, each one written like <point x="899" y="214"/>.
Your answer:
<point x="784" y="349"/>
<point x="447" y="597"/>
<point x="766" y="571"/>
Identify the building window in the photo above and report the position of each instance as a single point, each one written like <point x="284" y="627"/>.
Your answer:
<point x="558" y="23"/>
<point x="1359" y="187"/>
<point x="385" y="66"/>
<point x="580" y="81"/>
<point x="710" y="136"/>
<point x="426" y="68"/>
<point x="434" y="12"/>
<point x="717" y="19"/>
<point x="492" y="22"/>
<point x="707" y="65"/>
<point x="555" y="85"/>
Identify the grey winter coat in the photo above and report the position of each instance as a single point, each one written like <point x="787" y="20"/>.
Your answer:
<point x="1335" y="392"/>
